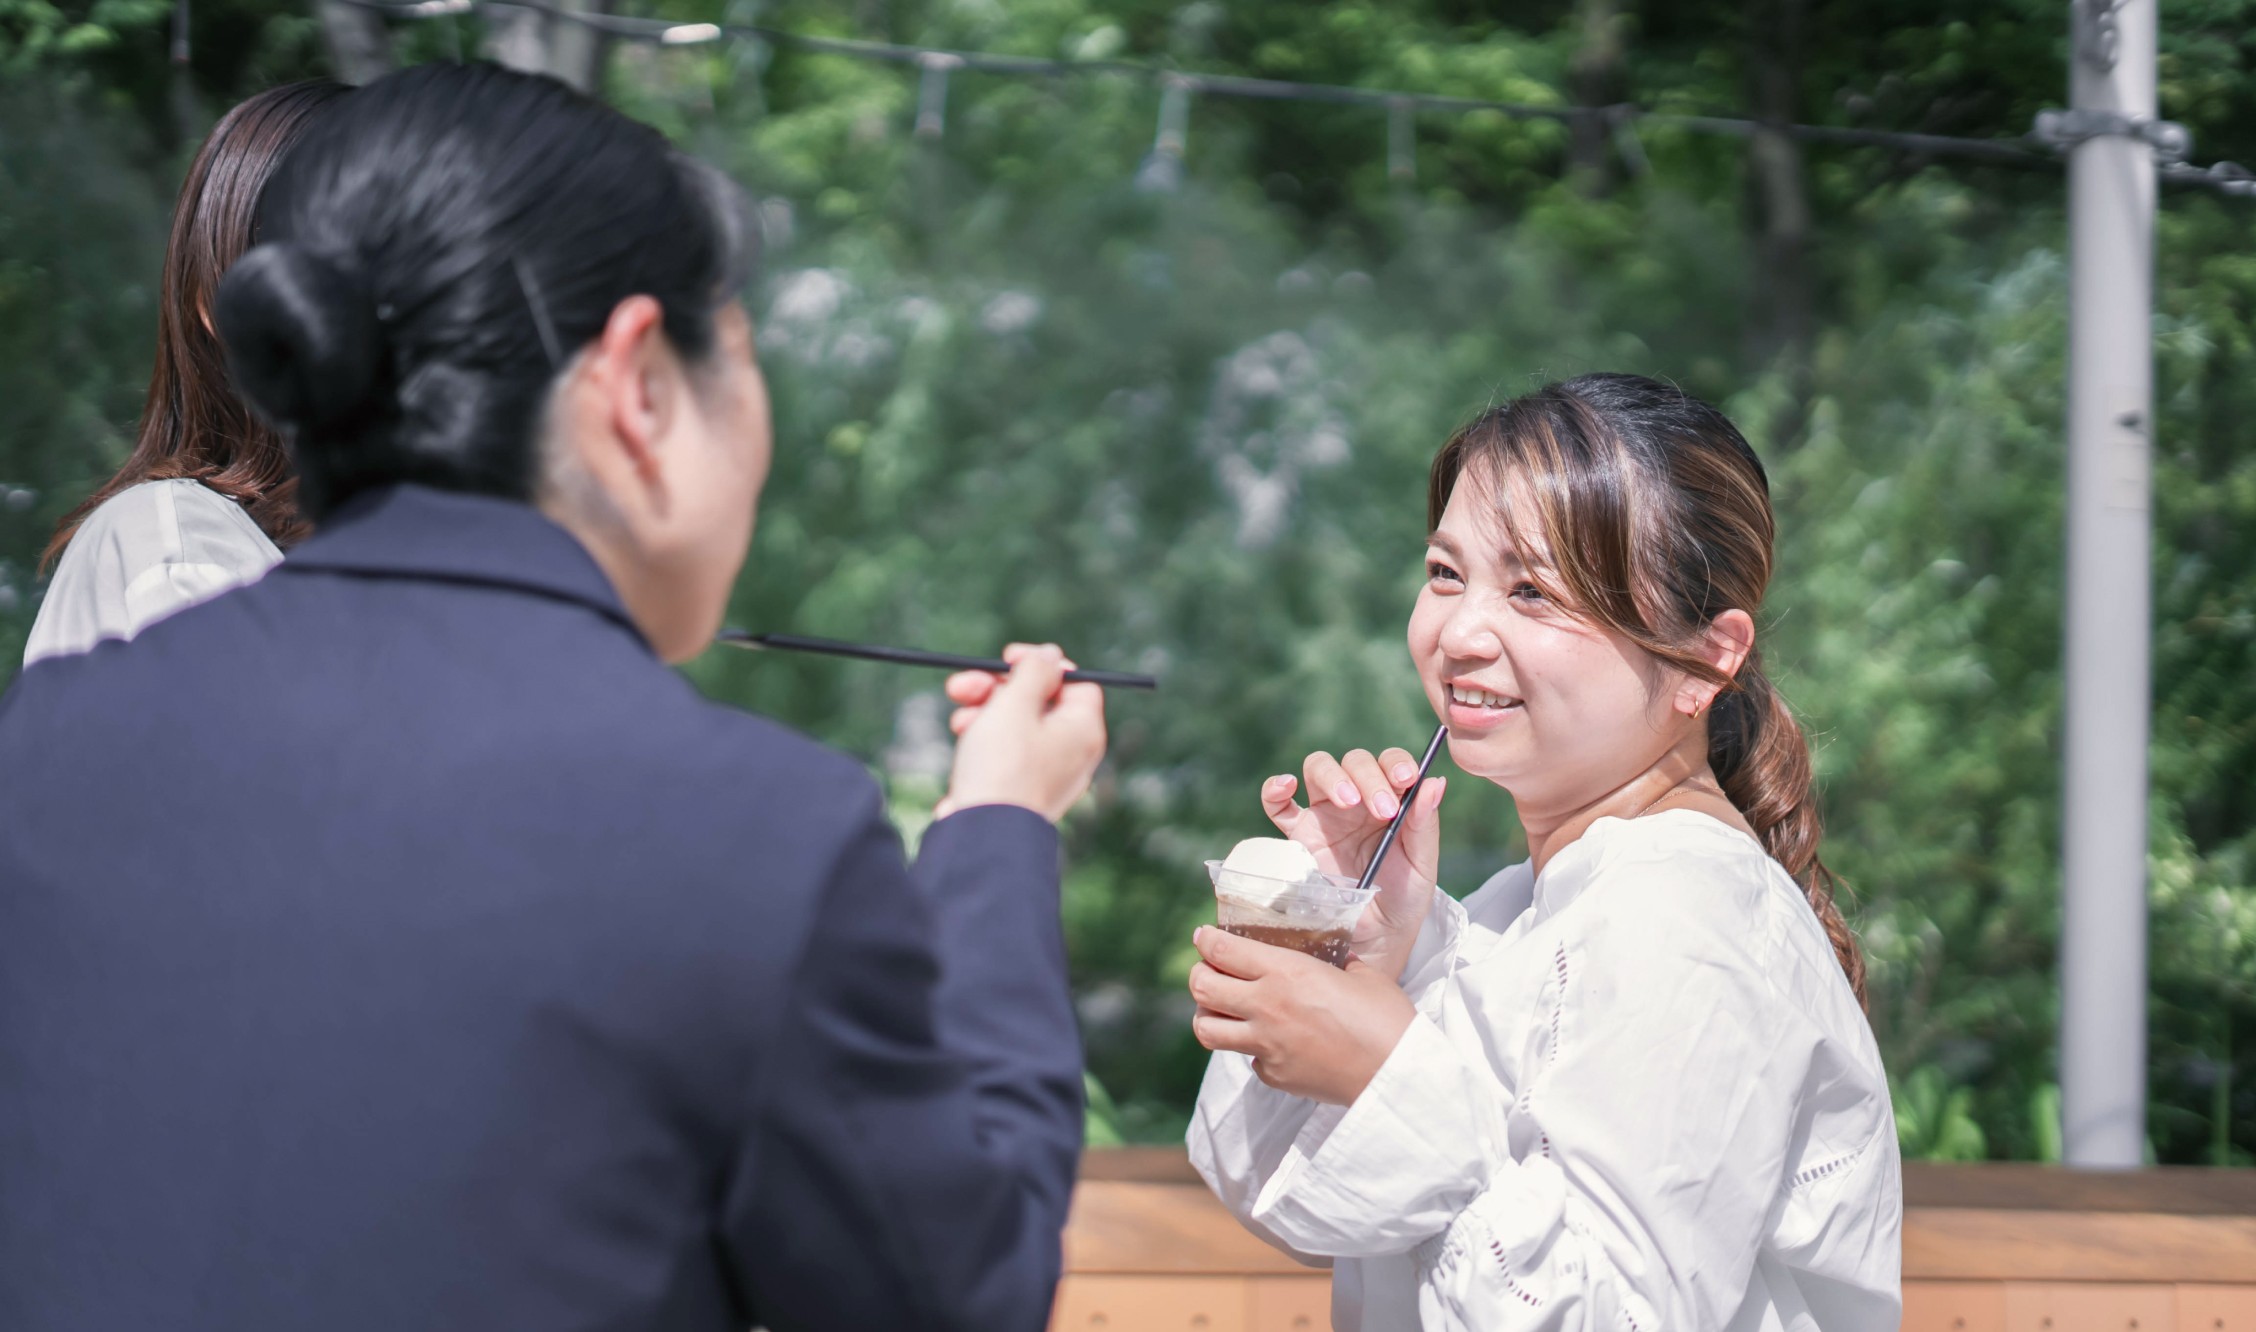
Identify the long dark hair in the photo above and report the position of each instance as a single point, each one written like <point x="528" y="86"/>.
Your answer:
<point x="444" y="243"/>
<point x="1657" y="517"/>
<point x="193" y="425"/>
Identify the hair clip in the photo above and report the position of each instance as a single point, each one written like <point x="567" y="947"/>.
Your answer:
<point x="533" y="302"/>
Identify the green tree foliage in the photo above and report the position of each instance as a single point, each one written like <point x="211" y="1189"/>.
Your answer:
<point x="1018" y="396"/>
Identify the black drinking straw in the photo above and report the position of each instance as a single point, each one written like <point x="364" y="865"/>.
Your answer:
<point x="1386" y="843"/>
<point x="946" y="661"/>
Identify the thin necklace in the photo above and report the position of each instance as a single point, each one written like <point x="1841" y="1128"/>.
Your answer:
<point x="1688" y="784"/>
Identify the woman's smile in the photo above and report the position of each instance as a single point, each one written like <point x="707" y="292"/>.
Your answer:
<point x="1473" y="708"/>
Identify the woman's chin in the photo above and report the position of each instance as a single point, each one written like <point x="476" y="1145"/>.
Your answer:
<point x="1483" y="753"/>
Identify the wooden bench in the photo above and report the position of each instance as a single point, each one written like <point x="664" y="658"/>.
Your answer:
<point x="1989" y="1248"/>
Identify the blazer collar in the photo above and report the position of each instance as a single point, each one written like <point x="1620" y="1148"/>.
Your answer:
<point x="412" y="531"/>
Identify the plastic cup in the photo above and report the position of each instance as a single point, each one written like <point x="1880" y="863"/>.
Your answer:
<point x="1315" y="915"/>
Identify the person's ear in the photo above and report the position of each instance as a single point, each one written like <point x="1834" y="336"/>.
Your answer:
<point x="635" y="374"/>
<point x="1729" y="639"/>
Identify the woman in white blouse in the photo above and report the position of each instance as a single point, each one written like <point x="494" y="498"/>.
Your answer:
<point x="1627" y="1084"/>
<point x="206" y="501"/>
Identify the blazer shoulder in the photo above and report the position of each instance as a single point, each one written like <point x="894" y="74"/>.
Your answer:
<point x="788" y="772"/>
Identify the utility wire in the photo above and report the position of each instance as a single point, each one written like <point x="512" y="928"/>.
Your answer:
<point x="2228" y="178"/>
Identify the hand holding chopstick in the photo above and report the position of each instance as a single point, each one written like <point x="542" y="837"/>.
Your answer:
<point x="1409" y="797"/>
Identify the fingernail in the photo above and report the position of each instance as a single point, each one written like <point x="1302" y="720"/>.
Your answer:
<point x="1405" y="772"/>
<point x="1281" y="779"/>
<point x="1383" y="805"/>
<point x="1346" y="794"/>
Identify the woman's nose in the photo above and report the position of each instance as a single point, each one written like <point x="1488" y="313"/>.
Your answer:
<point x="1471" y="638"/>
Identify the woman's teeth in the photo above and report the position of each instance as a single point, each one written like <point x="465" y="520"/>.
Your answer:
<point x="1480" y="698"/>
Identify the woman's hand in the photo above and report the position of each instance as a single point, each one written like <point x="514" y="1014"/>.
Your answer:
<point x="1312" y="1029"/>
<point x="1350" y="801"/>
<point x="1027" y="739"/>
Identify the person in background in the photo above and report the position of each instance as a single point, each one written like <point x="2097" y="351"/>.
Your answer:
<point x="1628" y="1084"/>
<point x="206" y="500"/>
<point x="399" y="942"/>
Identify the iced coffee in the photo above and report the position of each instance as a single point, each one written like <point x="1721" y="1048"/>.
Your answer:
<point x="1269" y="889"/>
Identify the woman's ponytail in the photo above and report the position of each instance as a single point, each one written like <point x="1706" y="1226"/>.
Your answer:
<point x="1759" y="754"/>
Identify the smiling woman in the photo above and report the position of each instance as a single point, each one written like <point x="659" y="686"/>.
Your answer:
<point x="1628" y="1083"/>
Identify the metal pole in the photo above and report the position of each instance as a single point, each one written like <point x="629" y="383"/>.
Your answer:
<point x="2111" y="188"/>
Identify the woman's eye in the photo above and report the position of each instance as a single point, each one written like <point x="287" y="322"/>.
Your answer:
<point x="1438" y="572"/>
<point x="1527" y="592"/>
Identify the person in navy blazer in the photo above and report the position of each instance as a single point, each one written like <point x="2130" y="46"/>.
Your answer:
<point x="398" y="943"/>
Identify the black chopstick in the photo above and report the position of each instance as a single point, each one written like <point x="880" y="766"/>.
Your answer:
<point x="1386" y="843"/>
<point x="946" y="661"/>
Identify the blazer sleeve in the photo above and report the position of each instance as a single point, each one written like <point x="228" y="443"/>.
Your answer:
<point x="920" y="1117"/>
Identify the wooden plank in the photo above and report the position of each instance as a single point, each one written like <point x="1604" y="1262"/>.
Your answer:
<point x="1991" y="1186"/>
<point x="1128" y="1227"/>
<point x="2088" y="1306"/>
<point x="2004" y="1187"/>
<point x="1953" y="1306"/>
<point x="1289" y="1304"/>
<point x="1146" y="1165"/>
<point x="1974" y="1244"/>
<point x="2217" y="1308"/>
<point x="1150" y="1304"/>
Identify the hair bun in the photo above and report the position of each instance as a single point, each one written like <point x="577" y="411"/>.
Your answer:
<point x="303" y="341"/>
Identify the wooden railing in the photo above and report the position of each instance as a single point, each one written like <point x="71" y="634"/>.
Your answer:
<point x="1990" y="1248"/>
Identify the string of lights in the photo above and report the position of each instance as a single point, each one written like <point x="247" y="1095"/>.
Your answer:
<point x="2041" y="148"/>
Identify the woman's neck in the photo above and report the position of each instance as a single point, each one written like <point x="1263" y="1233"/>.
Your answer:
<point x="1679" y="779"/>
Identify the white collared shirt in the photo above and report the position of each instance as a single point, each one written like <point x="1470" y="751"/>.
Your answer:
<point x="149" y="551"/>
<point x="1639" y="1095"/>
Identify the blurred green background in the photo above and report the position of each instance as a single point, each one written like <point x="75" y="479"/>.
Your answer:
<point x="1186" y="430"/>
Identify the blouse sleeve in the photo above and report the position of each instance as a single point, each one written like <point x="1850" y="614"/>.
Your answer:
<point x="1626" y="1186"/>
<point x="149" y="552"/>
<point x="1243" y="1129"/>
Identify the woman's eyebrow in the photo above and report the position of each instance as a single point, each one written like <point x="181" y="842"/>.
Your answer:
<point x="1441" y="541"/>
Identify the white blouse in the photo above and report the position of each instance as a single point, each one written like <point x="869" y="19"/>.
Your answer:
<point x="1639" y="1095"/>
<point x="149" y="551"/>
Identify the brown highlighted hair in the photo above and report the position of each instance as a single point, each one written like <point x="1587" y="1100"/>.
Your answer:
<point x="193" y="424"/>
<point x="1656" y="517"/>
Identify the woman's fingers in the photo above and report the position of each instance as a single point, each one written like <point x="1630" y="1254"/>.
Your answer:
<point x="1014" y="652"/>
<point x="969" y="689"/>
<point x="1277" y="802"/>
<point x="1221" y="993"/>
<point x="1218" y="1032"/>
<point x="1421" y="828"/>
<point x="1328" y="782"/>
<point x="1401" y="767"/>
<point x="1237" y="956"/>
<point x="1371" y="783"/>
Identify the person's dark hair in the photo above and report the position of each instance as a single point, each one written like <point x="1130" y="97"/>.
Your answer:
<point x="1655" y="514"/>
<point x="434" y="256"/>
<point x="193" y="425"/>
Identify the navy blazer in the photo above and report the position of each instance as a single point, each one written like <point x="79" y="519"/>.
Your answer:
<point x="396" y="943"/>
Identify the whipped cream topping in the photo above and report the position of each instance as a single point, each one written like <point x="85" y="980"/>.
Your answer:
<point x="1266" y="869"/>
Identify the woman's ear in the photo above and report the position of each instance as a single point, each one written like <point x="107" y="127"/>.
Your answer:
<point x="1729" y="639"/>
<point x="637" y="378"/>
